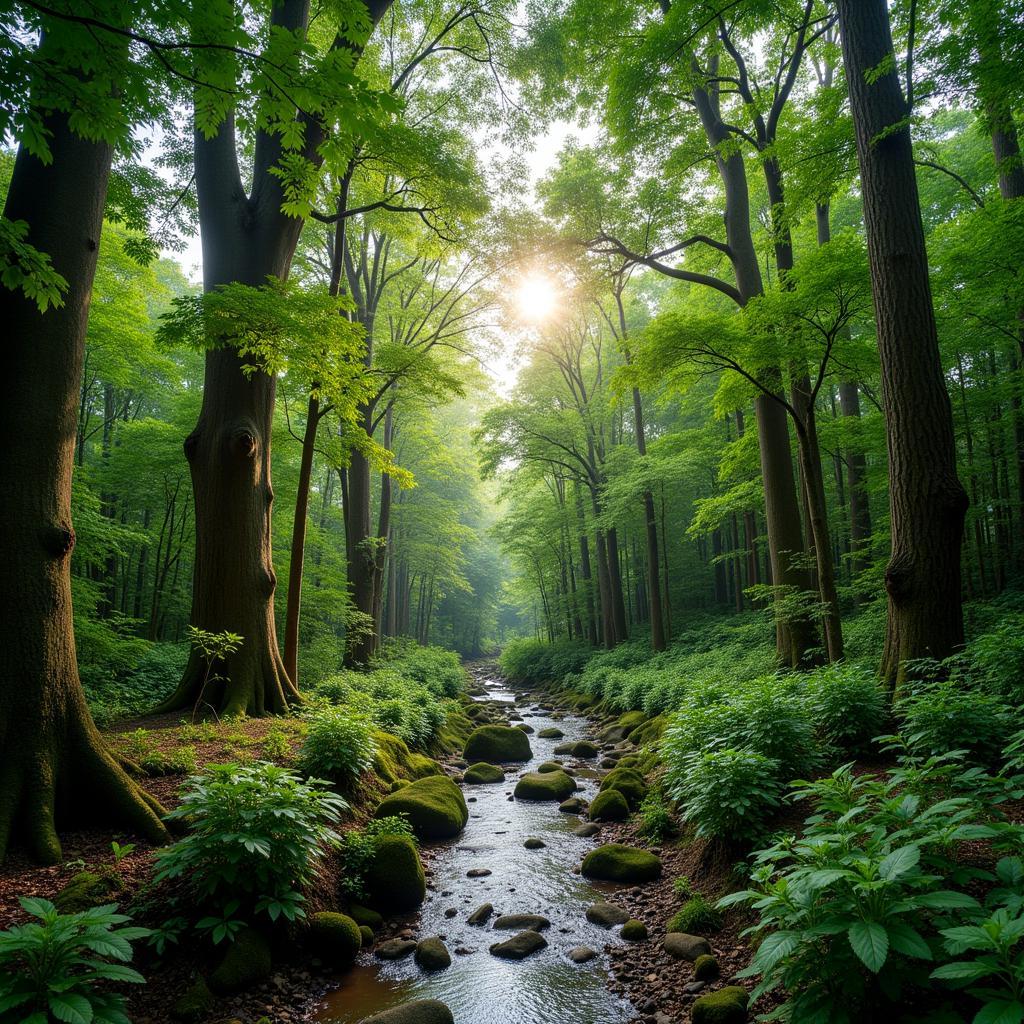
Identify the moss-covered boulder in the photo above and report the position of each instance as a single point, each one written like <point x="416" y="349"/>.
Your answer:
<point x="550" y="732"/>
<point x="497" y="743"/>
<point x="519" y="947"/>
<point x="705" y="968"/>
<point x="726" y="1006"/>
<point x="394" y="878"/>
<point x="334" y="938"/>
<point x="617" y="863"/>
<point x="394" y="762"/>
<point x="366" y="936"/>
<point x="627" y="781"/>
<point x="631" y="720"/>
<point x="195" y="1003"/>
<point x="419" y="1011"/>
<point x="434" y="807"/>
<point x="552" y="766"/>
<point x="686" y="947"/>
<point x="87" y="889"/>
<point x="585" y="749"/>
<point x="546" y="786"/>
<point x="432" y="954"/>
<point x="246" y="963"/>
<point x="634" y="930"/>
<point x="609" y="806"/>
<point x="528" y="729"/>
<point x="364" y="915"/>
<point x="648" y="732"/>
<point x="482" y="773"/>
<point x="574" y="805"/>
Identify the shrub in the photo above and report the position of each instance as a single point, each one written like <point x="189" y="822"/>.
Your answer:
<point x="339" y="745"/>
<point x="656" y="821"/>
<point x="996" y="657"/>
<point x="533" y="661"/>
<point x="727" y="794"/>
<point x="50" y="969"/>
<point x="256" y="833"/>
<point x="437" y="669"/>
<point x="359" y="847"/>
<point x="696" y="916"/>
<point x="847" y="705"/>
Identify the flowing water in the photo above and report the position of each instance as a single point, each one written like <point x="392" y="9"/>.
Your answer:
<point x="547" y="987"/>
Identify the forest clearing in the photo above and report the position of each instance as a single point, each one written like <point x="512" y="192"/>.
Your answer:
<point x="512" y="512"/>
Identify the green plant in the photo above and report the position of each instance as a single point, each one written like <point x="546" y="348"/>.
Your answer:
<point x="727" y="794"/>
<point x="696" y="916"/>
<point x="682" y="887"/>
<point x="359" y="846"/>
<point x="213" y="648"/>
<point x="50" y="969"/>
<point x="847" y="705"/>
<point x="276" y="744"/>
<point x="339" y="745"/>
<point x="656" y="820"/>
<point x="256" y="832"/>
<point x="121" y="851"/>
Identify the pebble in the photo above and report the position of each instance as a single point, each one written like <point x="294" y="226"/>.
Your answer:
<point x="478" y="872"/>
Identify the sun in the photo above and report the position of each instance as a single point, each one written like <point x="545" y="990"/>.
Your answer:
<point x="536" y="298"/>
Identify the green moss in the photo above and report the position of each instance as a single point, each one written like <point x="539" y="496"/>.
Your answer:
<point x="87" y="889"/>
<point x="696" y="916"/>
<point x="365" y="916"/>
<point x="705" y="968"/>
<point x="246" y="963"/>
<point x="366" y="936"/>
<point x="609" y="806"/>
<point x="195" y="1003"/>
<point x="551" y="766"/>
<point x="617" y="863"/>
<point x="394" y="761"/>
<point x="335" y="938"/>
<point x="634" y="930"/>
<point x="550" y="733"/>
<point x="545" y="786"/>
<point x="649" y="732"/>
<point x="482" y="772"/>
<point x="726" y="1006"/>
<point x="394" y="879"/>
<point x="434" y="807"/>
<point x="497" y="743"/>
<point x="627" y="781"/>
<point x="585" y="749"/>
<point x="631" y="720"/>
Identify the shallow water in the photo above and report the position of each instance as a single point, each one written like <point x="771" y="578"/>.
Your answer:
<point x="547" y="987"/>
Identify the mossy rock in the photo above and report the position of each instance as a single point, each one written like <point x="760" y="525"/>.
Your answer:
<point x="631" y="720"/>
<point x="366" y="936"/>
<point x="705" y="968"/>
<point x="87" y="889"/>
<point x="419" y="1011"/>
<point x="432" y="954"/>
<point x="246" y="963"/>
<point x="481" y="773"/>
<point x="394" y="762"/>
<point x="649" y="732"/>
<point x="196" y="1002"/>
<point x="335" y="938"/>
<point x="434" y="807"/>
<point x="552" y="766"/>
<point x="523" y="727"/>
<point x="551" y="732"/>
<point x="394" y="879"/>
<point x="726" y="1006"/>
<point x="627" y="781"/>
<point x="585" y="749"/>
<point x="629" y="761"/>
<point x="545" y="786"/>
<point x="497" y="743"/>
<point x="696" y="917"/>
<point x="634" y="930"/>
<point x="617" y="863"/>
<point x="365" y="916"/>
<point x="609" y="806"/>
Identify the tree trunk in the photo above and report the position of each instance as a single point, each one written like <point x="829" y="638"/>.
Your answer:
<point x="927" y="502"/>
<point x="54" y="766"/>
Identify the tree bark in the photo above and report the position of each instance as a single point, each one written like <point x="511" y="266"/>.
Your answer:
<point x="927" y="502"/>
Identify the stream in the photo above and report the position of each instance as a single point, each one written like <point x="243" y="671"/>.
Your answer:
<point x="545" y="988"/>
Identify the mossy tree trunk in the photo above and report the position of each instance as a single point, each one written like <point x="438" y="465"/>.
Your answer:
<point x="54" y="767"/>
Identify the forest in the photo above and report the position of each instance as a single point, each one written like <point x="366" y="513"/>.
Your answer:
<point x="553" y="469"/>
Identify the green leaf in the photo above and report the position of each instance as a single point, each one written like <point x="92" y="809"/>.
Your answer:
<point x="961" y="970"/>
<point x="908" y="941"/>
<point x="870" y="942"/>
<point x="899" y="862"/>
<point x="1000" y="1012"/>
<point x="71" y="1008"/>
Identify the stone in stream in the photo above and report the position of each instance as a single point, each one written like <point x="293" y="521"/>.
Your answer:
<point x="432" y="954"/>
<point x="528" y="729"/>
<point x="686" y="947"/>
<point x="533" y="843"/>
<point x="609" y="806"/>
<point x="395" y="949"/>
<point x="554" y="785"/>
<point x="521" y="922"/>
<point x="478" y="872"/>
<point x="419" y="1011"/>
<point x="550" y="733"/>
<point x="617" y="863"/>
<point x="574" y="805"/>
<point x="497" y="743"/>
<point x="607" y="914"/>
<point x="482" y="773"/>
<point x="586" y="831"/>
<point x="520" y="946"/>
<point x="481" y="915"/>
<point x="582" y="954"/>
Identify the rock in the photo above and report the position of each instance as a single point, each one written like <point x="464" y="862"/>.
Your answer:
<point x="478" y="872"/>
<point x="586" y="831"/>
<point x="528" y="729"/>
<point x="574" y="805"/>
<point x="364" y="915"/>
<point x="582" y="954"/>
<point x="432" y="954"/>
<point x="196" y="1002"/>
<point x="548" y="786"/>
<point x="630" y="721"/>
<point x="520" y="946"/>
<point x="584" y="749"/>
<point x="563" y="748"/>
<point x="607" y="914"/>
<point x="627" y="781"/>
<point x="481" y="915"/>
<point x="534" y="844"/>
<point x="686" y="947"/>
<point x="611" y="734"/>
<point x="521" y="922"/>
<point x="705" y="967"/>
<point x="609" y="806"/>
<point x="634" y="931"/>
<point x="693" y="987"/>
<point x="246" y="963"/>
<point x="434" y="807"/>
<point x="551" y="766"/>
<point x="726" y="1006"/>
<point x="482" y="773"/>
<point x="366" y="936"/>
<point x="419" y="1011"/>
<point x="550" y="733"/>
<point x="608" y="762"/>
<point x="394" y="878"/>
<point x="395" y="949"/>
<point x="497" y="743"/>
<point x="87" y="889"/>
<point x="334" y="938"/>
<point x="617" y="863"/>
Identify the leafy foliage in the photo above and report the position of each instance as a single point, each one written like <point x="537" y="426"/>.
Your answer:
<point x="338" y="746"/>
<point x="359" y="846"/>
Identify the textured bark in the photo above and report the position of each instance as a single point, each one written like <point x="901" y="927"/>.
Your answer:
<point x="54" y="767"/>
<point x="927" y="502"/>
<point x="654" y="602"/>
